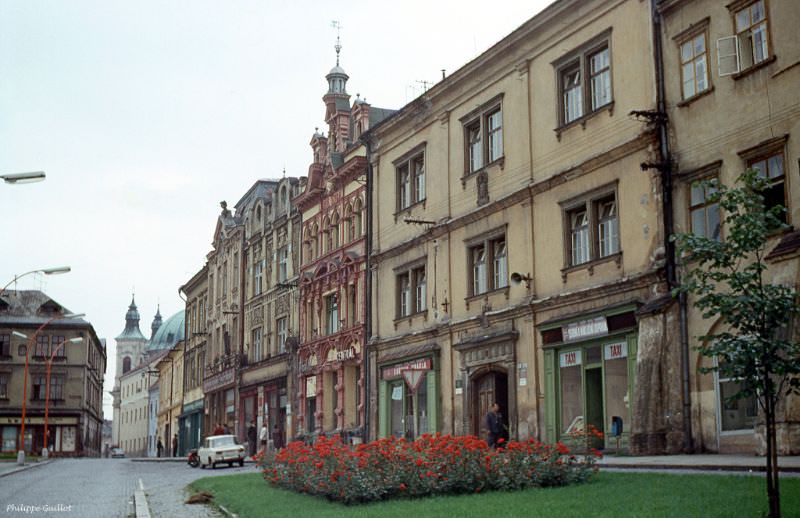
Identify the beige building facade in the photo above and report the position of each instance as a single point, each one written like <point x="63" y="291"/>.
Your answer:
<point x="516" y="239"/>
<point x="190" y="426"/>
<point x="731" y="81"/>
<point x="170" y="398"/>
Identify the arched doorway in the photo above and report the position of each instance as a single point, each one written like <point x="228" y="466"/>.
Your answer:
<point x="488" y="387"/>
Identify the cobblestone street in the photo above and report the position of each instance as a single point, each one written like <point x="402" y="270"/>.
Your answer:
<point x="104" y="488"/>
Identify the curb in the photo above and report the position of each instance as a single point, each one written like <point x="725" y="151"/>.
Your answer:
<point x="226" y="512"/>
<point x="697" y="467"/>
<point x="26" y="467"/>
<point x="172" y="459"/>
<point x="140" y="502"/>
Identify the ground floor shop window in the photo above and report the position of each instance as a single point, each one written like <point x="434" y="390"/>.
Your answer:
<point x="408" y="406"/>
<point x="230" y="408"/>
<point x="593" y="385"/>
<point x="9" y="438"/>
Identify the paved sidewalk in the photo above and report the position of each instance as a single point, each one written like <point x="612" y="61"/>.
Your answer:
<point x="700" y="462"/>
<point x="10" y="467"/>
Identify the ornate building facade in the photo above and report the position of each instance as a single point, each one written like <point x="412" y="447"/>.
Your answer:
<point x="330" y="376"/>
<point x="272" y="241"/>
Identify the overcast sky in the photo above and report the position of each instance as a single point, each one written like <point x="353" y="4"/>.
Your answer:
<point x="146" y="114"/>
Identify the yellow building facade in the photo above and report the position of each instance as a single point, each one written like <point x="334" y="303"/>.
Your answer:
<point x="516" y="238"/>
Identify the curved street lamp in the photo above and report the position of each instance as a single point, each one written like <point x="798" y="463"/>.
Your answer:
<point x="53" y="352"/>
<point x="21" y="452"/>
<point x="47" y="271"/>
<point x="32" y="177"/>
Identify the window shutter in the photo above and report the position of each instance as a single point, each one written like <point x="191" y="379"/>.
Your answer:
<point x="728" y="55"/>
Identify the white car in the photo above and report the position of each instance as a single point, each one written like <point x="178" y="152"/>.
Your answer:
<point x="117" y="453"/>
<point x="220" y="449"/>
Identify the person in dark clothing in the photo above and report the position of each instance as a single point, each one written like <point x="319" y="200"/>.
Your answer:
<point x="175" y="445"/>
<point x="252" y="437"/>
<point x="277" y="438"/>
<point x="159" y="447"/>
<point x="494" y="423"/>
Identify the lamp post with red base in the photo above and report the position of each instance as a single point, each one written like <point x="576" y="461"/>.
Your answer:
<point x="31" y="340"/>
<point x="53" y="353"/>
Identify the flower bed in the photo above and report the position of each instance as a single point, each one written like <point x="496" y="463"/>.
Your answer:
<point x="433" y="464"/>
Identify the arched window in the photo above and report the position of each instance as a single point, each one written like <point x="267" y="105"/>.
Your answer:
<point x="357" y="218"/>
<point x="314" y="242"/>
<point x="307" y="247"/>
<point x="348" y="224"/>
<point x="335" y="231"/>
<point x="126" y="364"/>
<point x="326" y="235"/>
<point x="258" y="213"/>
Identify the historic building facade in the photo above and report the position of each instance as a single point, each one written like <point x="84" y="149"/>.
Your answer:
<point x="190" y="421"/>
<point x="77" y="363"/>
<point x="330" y="376"/>
<point x="130" y="352"/>
<point x="516" y="238"/>
<point x="730" y="79"/>
<point x="272" y="241"/>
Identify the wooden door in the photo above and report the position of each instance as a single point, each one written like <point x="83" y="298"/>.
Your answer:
<point x="485" y="388"/>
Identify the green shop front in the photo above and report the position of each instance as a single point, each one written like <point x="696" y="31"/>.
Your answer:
<point x="190" y="426"/>
<point x="408" y="398"/>
<point x="589" y="367"/>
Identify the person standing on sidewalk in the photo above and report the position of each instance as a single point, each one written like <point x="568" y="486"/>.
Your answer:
<point x="494" y="423"/>
<point x="252" y="437"/>
<point x="159" y="447"/>
<point x="262" y="437"/>
<point x="175" y="445"/>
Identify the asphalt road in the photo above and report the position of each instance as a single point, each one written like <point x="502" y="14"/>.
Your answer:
<point x="104" y="488"/>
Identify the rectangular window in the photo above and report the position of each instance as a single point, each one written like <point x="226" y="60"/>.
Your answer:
<point x="488" y="265"/>
<point x="56" y="388"/>
<point x="282" y="327"/>
<point x="410" y="181"/>
<point x="771" y="168"/>
<point x="592" y="229"/>
<point x="735" y="413"/>
<point x="584" y="80"/>
<point x="411" y="291"/>
<point x="258" y="278"/>
<point x="42" y="346"/>
<point x="331" y="314"/>
<point x="751" y="34"/>
<point x="58" y="347"/>
<point x="258" y="353"/>
<point x="39" y="385"/>
<point x="494" y="130"/>
<point x="704" y="214"/>
<point x="5" y="345"/>
<point x="694" y="66"/>
<point x="283" y="263"/>
<point x="3" y="386"/>
<point x="480" y="150"/>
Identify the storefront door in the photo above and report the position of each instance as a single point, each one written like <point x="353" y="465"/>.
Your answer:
<point x="594" y="400"/>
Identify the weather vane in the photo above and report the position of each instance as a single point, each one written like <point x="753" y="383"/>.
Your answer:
<point x="338" y="26"/>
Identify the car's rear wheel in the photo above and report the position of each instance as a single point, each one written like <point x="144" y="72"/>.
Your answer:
<point x="212" y="464"/>
<point x="230" y="464"/>
<point x="241" y="462"/>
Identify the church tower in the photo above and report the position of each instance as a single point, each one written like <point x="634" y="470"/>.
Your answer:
<point x="131" y="345"/>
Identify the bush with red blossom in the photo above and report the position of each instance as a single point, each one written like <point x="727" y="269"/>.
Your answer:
<point x="433" y="464"/>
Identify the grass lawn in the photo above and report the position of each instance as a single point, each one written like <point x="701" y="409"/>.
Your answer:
<point x="609" y="494"/>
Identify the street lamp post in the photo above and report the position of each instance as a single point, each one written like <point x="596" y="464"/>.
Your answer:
<point x="47" y="271"/>
<point x="35" y="176"/>
<point x="21" y="452"/>
<point x="76" y="340"/>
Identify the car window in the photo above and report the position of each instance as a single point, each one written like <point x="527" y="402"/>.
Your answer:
<point x="224" y="441"/>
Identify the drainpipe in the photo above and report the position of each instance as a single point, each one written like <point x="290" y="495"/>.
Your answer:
<point x="665" y="168"/>
<point x="368" y="293"/>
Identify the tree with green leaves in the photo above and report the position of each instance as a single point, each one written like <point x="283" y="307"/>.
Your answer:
<point x="729" y="281"/>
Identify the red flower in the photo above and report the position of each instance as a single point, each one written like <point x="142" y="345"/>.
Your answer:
<point x="403" y="487"/>
<point x="500" y="440"/>
<point x="562" y="448"/>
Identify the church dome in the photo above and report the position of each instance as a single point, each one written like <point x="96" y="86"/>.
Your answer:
<point x="337" y="70"/>
<point x="169" y="333"/>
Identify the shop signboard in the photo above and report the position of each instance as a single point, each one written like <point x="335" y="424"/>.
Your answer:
<point x="570" y="358"/>
<point x="616" y="350"/>
<point x="395" y="371"/>
<point x="585" y="328"/>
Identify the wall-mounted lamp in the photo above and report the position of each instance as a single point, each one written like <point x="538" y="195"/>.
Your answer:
<point x="517" y="278"/>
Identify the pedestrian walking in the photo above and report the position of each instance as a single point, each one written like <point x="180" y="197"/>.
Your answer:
<point x="252" y="437"/>
<point x="159" y="447"/>
<point x="495" y="426"/>
<point x="175" y="445"/>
